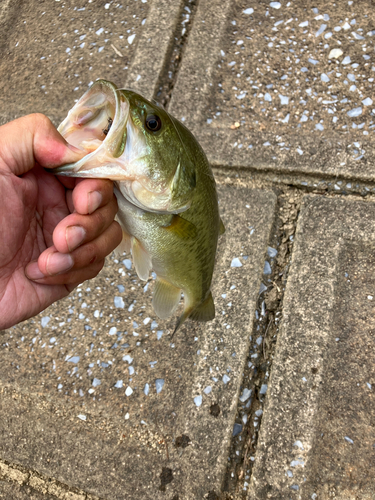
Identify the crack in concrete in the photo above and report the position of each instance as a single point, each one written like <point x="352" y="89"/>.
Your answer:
<point x="264" y="335"/>
<point x="169" y="76"/>
<point x="33" y="480"/>
<point x="308" y="183"/>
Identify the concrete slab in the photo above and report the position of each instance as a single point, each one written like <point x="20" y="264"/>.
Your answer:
<point x="11" y="491"/>
<point x="94" y="394"/>
<point x="155" y="47"/>
<point x="281" y="87"/>
<point x="51" y="53"/>
<point x="317" y="439"/>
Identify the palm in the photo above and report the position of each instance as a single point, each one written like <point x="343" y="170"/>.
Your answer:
<point x="30" y="208"/>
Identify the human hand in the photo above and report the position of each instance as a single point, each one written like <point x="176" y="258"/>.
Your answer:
<point x="55" y="232"/>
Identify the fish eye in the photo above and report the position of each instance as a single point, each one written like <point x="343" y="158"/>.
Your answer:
<point x="153" y="123"/>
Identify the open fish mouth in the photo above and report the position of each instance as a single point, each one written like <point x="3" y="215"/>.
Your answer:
<point x="97" y="125"/>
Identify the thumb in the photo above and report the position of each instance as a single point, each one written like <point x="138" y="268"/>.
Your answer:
<point x="34" y="139"/>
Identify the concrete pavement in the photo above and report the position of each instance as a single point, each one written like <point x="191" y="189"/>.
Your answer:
<point x="317" y="437"/>
<point x="274" y="398"/>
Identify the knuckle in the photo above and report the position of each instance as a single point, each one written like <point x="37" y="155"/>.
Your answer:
<point x="100" y="220"/>
<point x="41" y="119"/>
<point x="107" y="185"/>
<point x="91" y="251"/>
<point x="95" y="269"/>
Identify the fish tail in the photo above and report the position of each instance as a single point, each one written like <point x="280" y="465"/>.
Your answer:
<point x="205" y="311"/>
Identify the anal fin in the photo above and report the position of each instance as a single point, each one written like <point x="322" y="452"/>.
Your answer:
<point x="141" y="259"/>
<point x="166" y="298"/>
<point x="205" y="311"/>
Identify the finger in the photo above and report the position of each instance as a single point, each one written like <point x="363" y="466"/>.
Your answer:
<point x="68" y="182"/>
<point x="90" y="194"/>
<point x="74" y="277"/>
<point x="103" y="186"/>
<point x="76" y="229"/>
<point x="37" y="141"/>
<point x="54" y="267"/>
<point x="72" y="286"/>
<point x="69" y="200"/>
<point x="85" y="205"/>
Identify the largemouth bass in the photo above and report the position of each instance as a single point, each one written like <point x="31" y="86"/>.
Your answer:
<point x="168" y="207"/>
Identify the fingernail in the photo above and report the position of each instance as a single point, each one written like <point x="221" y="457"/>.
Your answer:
<point x="58" y="263"/>
<point x="94" y="201"/>
<point x="33" y="272"/>
<point x="74" y="236"/>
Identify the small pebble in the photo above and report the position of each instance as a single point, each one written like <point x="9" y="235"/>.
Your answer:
<point x="198" y="400"/>
<point x="159" y="383"/>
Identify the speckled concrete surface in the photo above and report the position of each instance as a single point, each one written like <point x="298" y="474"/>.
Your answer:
<point x="55" y="50"/>
<point x="97" y="375"/>
<point x="282" y="86"/>
<point x="95" y="400"/>
<point x="317" y="437"/>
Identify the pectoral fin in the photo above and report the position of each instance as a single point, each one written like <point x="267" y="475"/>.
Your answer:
<point x="181" y="227"/>
<point x="125" y="244"/>
<point x="166" y="298"/>
<point x="141" y="259"/>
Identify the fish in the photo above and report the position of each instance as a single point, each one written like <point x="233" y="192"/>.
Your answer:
<point x="165" y="189"/>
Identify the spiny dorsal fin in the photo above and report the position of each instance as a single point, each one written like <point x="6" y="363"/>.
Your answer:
<point x="205" y="311"/>
<point x="181" y="227"/>
<point x="141" y="259"/>
<point x="165" y="299"/>
<point x="222" y="228"/>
